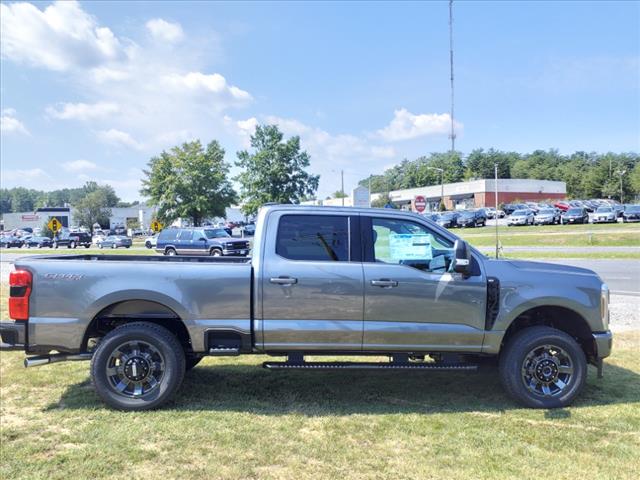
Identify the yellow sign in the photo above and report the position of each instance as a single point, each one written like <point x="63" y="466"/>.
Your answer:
<point x="156" y="226"/>
<point x="54" y="225"/>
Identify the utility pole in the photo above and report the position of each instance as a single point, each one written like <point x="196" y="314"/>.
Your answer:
<point x="342" y="185"/>
<point x="441" y="170"/>
<point x="452" y="135"/>
<point x="621" y="172"/>
<point x="495" y="173"/>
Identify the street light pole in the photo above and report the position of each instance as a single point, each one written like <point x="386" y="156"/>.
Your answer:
<point x="495" y="173"/>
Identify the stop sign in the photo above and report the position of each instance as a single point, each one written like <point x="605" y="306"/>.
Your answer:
<point x="420" y="203"/>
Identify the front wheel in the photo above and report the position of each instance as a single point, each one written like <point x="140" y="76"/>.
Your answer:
<point x="215" y="252"/>
<point x="542" y="367"/>
<point x="170" y="251"/>
<point x="72" y="245"/>
<point x="137" y="366"/>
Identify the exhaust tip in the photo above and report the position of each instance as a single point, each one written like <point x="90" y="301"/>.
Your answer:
<point x="36" y="361"/>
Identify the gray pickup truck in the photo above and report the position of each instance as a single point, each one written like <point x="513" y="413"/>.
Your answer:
<point x="321" y="281"/>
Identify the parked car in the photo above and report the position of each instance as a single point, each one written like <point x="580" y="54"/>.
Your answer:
<point x="619" y="209"/>
<point x="472" y="218"/>
<point x="574" y="215"/>
<point x="564" y="206"/>
<point x="521" y="217"/>
<point x="631" y="214"/>
<point x="605" y="215"/>
<point x="250" y="229"/>
<point x="547" y="216"/>
<point x="448" y="219"/>
<point x="326" y="281"/>
<point x="491" y="212"/>
<point x="38" y="242"/>
<point x="71" y="239"/>
<point x="11" y="241"/>
<point x="200" y="241"/>
<point x="151" y="242"/>
<point x="116" y="241"/>
<point x="98" y="237"/>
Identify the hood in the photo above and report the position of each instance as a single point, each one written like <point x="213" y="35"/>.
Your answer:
<point x="543" y="267"/>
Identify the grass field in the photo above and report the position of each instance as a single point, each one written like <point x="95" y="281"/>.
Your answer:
<point x="232" y="419"/>
<point x="592" y="239"/>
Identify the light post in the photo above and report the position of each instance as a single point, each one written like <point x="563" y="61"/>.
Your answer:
<point x="621" y="173"/>
<point x="441" y="170"/>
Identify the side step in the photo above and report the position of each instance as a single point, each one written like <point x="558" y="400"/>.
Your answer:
<point x="463" y="367"/>
<point x="224" y="351"/>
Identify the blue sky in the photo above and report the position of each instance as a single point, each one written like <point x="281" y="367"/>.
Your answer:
<point x="90" y="91"/>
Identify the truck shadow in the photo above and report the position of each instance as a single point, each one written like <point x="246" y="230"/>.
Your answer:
<point x="249" y="388"/>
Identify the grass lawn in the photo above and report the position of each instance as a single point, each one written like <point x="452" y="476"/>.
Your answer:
<point x="232" y="419"/>
<point x="590" y="239"/>
<point x="597" y="255"/>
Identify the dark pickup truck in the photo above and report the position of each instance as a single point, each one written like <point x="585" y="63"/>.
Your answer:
<point x="321" y="281"/>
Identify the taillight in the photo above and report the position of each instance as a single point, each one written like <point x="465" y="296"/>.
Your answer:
<point x="19" y="291"/>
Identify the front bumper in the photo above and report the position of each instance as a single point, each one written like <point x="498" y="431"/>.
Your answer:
<point x="603" y="342"/>
<point x="13" y="335"/>
<point x="242" y="252"/>
<point x="544" y="221"/>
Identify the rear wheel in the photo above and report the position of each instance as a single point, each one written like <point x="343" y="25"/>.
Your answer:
<point x="170" y="251"/>
<point x="542" y="367"/>
<point x="137" y="366"/>
<point x="55" y="245"/>
<point x="148" y="245"/>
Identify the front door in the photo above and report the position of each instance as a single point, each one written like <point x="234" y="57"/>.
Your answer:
<point x="413" y="299"/>
<point x="311" y="283"/>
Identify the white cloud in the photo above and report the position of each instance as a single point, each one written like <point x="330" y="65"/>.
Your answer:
<point x="202" y="83"/>
<point x="30" y="177"/>
<point x="60" y="37"/>
<point x="82" y="111"/>
<point x="163" y="30"/>
<point x="406" y="125"/>
<point x="9" y="124"/>
<point x="78" y="166"/>
<point x="119" y="138"/>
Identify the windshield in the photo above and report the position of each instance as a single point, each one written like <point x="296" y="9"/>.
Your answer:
<point x="466" y="214"/>
<point x="520" y="212"/>
<point x="633" y="208"/>
<point x="545" y="211"/>
<point x="604" y="210"/>
<point x="216" y="233"/>
<point x="574" y="211"/>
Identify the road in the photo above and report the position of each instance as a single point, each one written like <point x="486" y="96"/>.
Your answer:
<point x="622" y="276"/>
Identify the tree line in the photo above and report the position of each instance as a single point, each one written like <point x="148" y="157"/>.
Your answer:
<point x="193" y="180"/>
<point x="587" y="175"/>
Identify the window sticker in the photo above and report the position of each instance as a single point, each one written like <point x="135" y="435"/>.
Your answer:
<point x="408" y="246"/>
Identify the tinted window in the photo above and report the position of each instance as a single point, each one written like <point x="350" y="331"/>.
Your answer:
<point x="545" y="211"/>
<point x="407" y="243"/>
<point x="574" y="211"/>
<point x="168" y="234"/>
<point x="313" y="237"/>
<point x="605" y="209"/>
<point x="186" y="235"/>
<point x="521" y="212"/>
<point x="216" y="233"/>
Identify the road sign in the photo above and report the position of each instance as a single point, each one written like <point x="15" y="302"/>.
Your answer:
<point x="156" y="226"/>
<point x="54" y="225"/>
<point x="420" y="203"/>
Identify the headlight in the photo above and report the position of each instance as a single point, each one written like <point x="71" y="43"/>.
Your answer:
<point x="604" y="305"/>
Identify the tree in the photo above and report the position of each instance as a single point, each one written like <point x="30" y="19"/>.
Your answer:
<point x="382" y="201"/>
<point x="275" y="171"/>
<point x="339" y="194"/>
<point x="94" y="208"/>
<point x="189" y="181"/>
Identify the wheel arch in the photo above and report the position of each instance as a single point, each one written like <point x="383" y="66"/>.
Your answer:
<point x="561" y="318"/>
<point x="122" y="311"/>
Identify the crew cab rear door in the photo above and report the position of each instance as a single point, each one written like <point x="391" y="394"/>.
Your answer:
<point x="312" y="282"/>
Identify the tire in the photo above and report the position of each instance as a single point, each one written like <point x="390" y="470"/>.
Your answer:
<point x="148" y="245"/>
<point x="55" y="245"/>
<point x="150" y="341"/>
<point x="191" y="362"/>
<point x="215" y="252"/>
<point x="72" y="245"/>
<point x="113" y="246"/>
<point x="517" y="366"/>
<point x="100" y="246"/>
<point x="171" y="252"/>
<point x="87" y="246"/>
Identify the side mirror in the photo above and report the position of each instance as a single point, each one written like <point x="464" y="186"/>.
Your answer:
<point x="462" y="260"/>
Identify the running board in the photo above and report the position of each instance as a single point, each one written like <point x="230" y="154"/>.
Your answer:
<point x="224" y="351"/>
<point x="464" y="367"/>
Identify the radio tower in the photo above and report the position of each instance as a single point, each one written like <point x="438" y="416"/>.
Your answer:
<point x="452" y="135"/>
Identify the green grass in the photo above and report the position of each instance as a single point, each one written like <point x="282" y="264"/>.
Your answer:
<point x="232" y="419"/>
<point x="597" y="255"/>
<point x="591" y="239"/>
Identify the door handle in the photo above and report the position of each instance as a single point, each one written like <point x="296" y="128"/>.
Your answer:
<point x="283" y="280"/>
<point x="384" y="283"/>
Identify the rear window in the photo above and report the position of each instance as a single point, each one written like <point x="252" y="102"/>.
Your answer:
<point x="313" y="237"/>
<point x="168" y="234"/>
